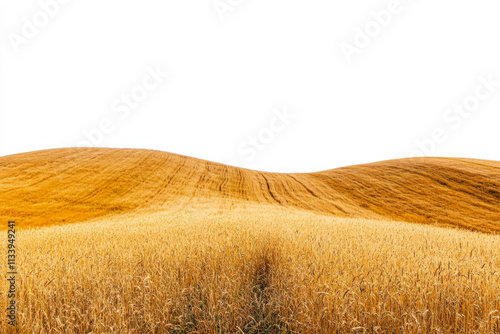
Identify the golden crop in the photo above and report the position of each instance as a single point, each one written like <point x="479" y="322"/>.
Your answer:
<point x="256" y="270"/>
<point x="253" y="253"/>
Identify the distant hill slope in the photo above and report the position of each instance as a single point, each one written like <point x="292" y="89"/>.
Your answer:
<point x="77" y="184"/>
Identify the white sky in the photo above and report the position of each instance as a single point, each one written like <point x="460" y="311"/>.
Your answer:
<point x="229" y="77"/>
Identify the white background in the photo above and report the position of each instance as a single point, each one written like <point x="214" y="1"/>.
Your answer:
<point x="231" y="63"/>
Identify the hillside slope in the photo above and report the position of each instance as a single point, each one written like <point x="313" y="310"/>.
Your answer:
<point x="69" y="185"/>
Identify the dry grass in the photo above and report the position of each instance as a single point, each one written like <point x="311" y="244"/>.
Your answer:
<point x="135" y="241"/>
<point x="73" y="185"/>
<point x="256" y="270"/>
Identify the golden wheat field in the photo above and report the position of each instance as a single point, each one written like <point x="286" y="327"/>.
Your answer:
<point x="138" y="241"/>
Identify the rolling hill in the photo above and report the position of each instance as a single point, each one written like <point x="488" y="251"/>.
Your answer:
<point x="140" y="241"/>
<point x="78" y="184"/>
